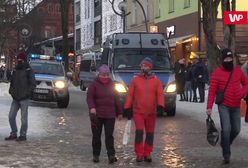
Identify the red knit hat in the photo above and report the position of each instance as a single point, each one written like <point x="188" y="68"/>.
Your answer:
<point x="148" y="62"/>
<point x="22" y="56"/>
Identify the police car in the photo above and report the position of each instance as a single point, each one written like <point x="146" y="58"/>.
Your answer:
<point x="51" y="81"/>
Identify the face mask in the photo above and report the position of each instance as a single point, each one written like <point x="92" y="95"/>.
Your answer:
<point x="146" y="72"/>
<point x="228" y="65"/>
<point x="104" y="80"/>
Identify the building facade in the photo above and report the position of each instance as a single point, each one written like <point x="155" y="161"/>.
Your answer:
<point x="94" y="21"/>
<point x="136" y="20"/>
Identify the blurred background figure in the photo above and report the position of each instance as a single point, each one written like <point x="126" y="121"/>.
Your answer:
<point x="180" y="77"/>
<point x="188" y="82"/>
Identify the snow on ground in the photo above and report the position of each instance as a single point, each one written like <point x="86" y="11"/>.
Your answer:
<point x="198" y="112"/>
<point x="193" y="110"/>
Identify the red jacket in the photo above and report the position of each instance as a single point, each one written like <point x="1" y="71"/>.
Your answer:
<point x="144" y="95"/>
<point x="235" y="91"/>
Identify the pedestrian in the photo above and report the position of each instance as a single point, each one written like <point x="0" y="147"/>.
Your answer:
<point x="22" y="85"/>
<point x="231" y="79"/>
<point x="144" y="95"/>
<point x="200" y="75"/>
<point x="188" y="83"/>
<point x="104" y="105"/>
<point x="180" y="77"/>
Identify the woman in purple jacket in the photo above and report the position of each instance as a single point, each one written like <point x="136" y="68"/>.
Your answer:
<point x="104" y="105"/>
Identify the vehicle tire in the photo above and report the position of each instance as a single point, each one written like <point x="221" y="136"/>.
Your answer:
<point x="82" y="87"/>
<point x="63" y="103"/>
<point x="171" y="112"/>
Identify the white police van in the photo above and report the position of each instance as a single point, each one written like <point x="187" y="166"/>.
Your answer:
<point x="123" y="52"/>
<point x="88" y="68"/>
<point x="51" y="81"/>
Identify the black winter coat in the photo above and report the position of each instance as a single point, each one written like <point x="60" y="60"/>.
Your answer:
<point x="22" y="82"/>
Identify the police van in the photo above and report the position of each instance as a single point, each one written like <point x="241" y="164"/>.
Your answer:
<point x="51" y="80"/>
<point x="88" y="68"/>
<point x="123" y="52"/>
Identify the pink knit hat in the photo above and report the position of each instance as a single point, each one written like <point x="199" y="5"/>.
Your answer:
<point x="104" y="69"/>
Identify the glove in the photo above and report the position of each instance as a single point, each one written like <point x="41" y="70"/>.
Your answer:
<point x="129" y="113"/>
<point x="93" y="118"/>
<point x="160" y="109"/>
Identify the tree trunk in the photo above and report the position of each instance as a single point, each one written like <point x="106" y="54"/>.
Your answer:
<point x="228" y="30"/>
<point x="64" y="19"/>
<point x="210" y="11"/>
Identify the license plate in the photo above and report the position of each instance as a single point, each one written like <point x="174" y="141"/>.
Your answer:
<point x="41" y="96"/>
<point x="41" y="91"/>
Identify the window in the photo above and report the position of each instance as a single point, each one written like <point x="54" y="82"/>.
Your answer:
<point x="171" y="6"/>
<point x="97" y="7"/>
<point x="157" y="12"/>
<point x="97" y="33"/>
<point x="130" y="58"/>
<point x="77" y="11"/>
<point x="134" y="13"/>
<point x="86" y="9"/>
<point x="78" y="39"/>
<point x="186" y="3"/>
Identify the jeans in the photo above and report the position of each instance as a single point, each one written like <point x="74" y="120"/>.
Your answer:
<point x="15" y="106"/>
<point x="96" y="127"/>
<point x="188" y="91"/>
<point x="230" y="127"/>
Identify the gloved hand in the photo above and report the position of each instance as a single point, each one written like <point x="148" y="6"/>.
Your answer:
<point x="129" y="113"/>
<point x="160" y="109"/>
<point x="93" y="118"/>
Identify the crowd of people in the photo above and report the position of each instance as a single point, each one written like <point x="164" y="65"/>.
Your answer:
<point x="190" y="77"/>
<point x="5" y="74"/>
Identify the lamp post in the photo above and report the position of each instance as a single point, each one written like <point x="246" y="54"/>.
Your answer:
<point x="123" y="7"/>
<point x="144" y="13"/>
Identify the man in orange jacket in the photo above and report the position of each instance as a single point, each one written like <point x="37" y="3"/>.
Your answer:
<point x="145" y="97"/>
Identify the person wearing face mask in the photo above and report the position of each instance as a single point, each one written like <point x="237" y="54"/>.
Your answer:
<point x="22" y="85"/>
<point x="145" y="97"/>
<point x="104" y="105"/>
<point x="236" y="83"/>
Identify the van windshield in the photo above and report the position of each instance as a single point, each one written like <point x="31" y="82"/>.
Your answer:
<point x="130" y="59"/>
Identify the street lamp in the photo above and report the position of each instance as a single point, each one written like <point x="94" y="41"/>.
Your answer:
<point x="123" y="8"/>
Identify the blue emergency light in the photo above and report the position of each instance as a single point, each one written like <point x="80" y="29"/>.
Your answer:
<point x="46" y="57"/>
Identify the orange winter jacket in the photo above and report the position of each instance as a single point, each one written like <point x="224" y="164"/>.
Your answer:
<point x="144" y="95"/>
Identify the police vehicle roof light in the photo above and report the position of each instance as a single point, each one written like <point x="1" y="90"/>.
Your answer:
<point x="46" y="57"/>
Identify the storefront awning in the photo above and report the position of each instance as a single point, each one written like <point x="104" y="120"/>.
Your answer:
<point x="173" y="41"/>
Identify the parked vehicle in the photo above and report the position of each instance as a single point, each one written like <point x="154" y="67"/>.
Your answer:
<point x="51" y="80"/>
<point x="88" y="69"/>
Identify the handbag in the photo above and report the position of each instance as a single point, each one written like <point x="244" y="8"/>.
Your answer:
<point x="127" y="131"/>
<point x="212" y="132"/>
<point x="220" y="94"/>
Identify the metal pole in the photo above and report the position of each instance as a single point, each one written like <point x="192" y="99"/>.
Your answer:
<point x="144" y="13"/>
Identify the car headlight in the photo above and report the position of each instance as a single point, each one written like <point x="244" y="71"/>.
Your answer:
<point x="120" y="88"/>
<point x="59" y="84"/>
<point x="171" y="88"/>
